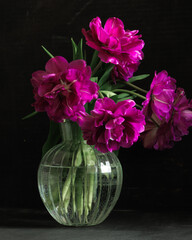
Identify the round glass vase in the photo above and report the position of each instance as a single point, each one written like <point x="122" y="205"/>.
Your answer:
<point x="78" y="185"/>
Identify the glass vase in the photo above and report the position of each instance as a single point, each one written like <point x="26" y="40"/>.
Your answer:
<point x="78" y="185"/>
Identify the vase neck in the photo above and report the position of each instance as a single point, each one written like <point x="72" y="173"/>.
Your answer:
<point x="70" y="131"/>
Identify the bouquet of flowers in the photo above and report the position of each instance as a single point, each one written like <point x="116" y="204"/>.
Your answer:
<point x="103" y="99"/>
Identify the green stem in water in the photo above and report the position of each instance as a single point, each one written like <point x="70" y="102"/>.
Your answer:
<point x="73" y="190"/>
<point x="66" y="185"/>
<point x="86" y="210"/>
<point x="67" y="199"/>
<point x="79" y="193"/>
<point x="130" y="92"/>
<point x="91" y="186"/>
<point x="85" y="159"/>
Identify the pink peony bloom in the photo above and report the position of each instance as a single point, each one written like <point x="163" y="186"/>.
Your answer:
<point x="124" y="71"/>
<point x="63" y="88"/>
<point x="115" y="44"/>
<point x="157" y="134"/>
<point x="161" y="134"/>
<point x="182" y="115"/>
<point x="160" y="98"/>
<point x="111" y="126"/>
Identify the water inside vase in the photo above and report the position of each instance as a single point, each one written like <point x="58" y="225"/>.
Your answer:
<point x="82" y="194"/>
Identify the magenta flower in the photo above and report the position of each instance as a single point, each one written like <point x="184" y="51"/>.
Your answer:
<point x="111" y="126"/>
<point x="182" y="115"/>
<point x="158" y="134"/>
<point x="115" y="44"/>
<point x="160" y="98"/>
<point x="124" y="71"/>
<point x="161" y="134"/>
<point x="63" y="88"/>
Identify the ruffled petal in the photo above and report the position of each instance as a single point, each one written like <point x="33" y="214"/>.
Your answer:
<point x="109" y="131"/>
<point x="78" y="64"/>
<point x="113" y="43"/>
<point x="37" y="78"/>
<point x="115" y="27"/>
<point x="56" y="65"/>
<point x="105" y="103"/>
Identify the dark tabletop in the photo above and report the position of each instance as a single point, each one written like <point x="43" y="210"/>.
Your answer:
<point x="120" y="225"/>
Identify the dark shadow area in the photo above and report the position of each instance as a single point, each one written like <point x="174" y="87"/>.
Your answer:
<point x="26" y="218"/>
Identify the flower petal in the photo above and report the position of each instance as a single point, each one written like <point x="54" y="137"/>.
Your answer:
<point x="77" y="64"/>
<point x="56" y="65"/>
<point x="115" y="27"/>
<point x="113" y="43"/>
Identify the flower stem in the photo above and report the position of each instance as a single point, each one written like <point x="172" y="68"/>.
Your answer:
<point x="66" y="185"/>
<point x="138" y="106"/>
<point x="79" y="193"/>
<point x="131" y="92"/>
<point x="96" y="68"/>
<point x="90" y="193"/>
<point x="136" y="87"/>
<point x="101" y="94"/>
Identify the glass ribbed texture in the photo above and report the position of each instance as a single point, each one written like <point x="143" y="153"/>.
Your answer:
<point x="79" y="185"/>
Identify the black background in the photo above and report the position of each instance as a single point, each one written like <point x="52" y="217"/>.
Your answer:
<point x="152" y="179"/>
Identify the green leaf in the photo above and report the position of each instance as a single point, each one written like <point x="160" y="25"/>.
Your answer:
<point x="108" y="93"/>
<point x="115" y="98"/>
<point x="123" y="95"/>
<point x="77" y="49"/>
<point x="107" y="86"/>
<point x="79" y="54"/>
<point x="94" y="79"/>
<point x="30" y="115"/>
<point x="50" y="55"/>
<point x="53" y="137"/>
<point x="130" y="97"/>
<point x="139" y="77"/>
<point x="118" y="85"/>
<point x="94" y="60"/>
<point x="74" y="47"/>
<point x="106" y="74"/>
